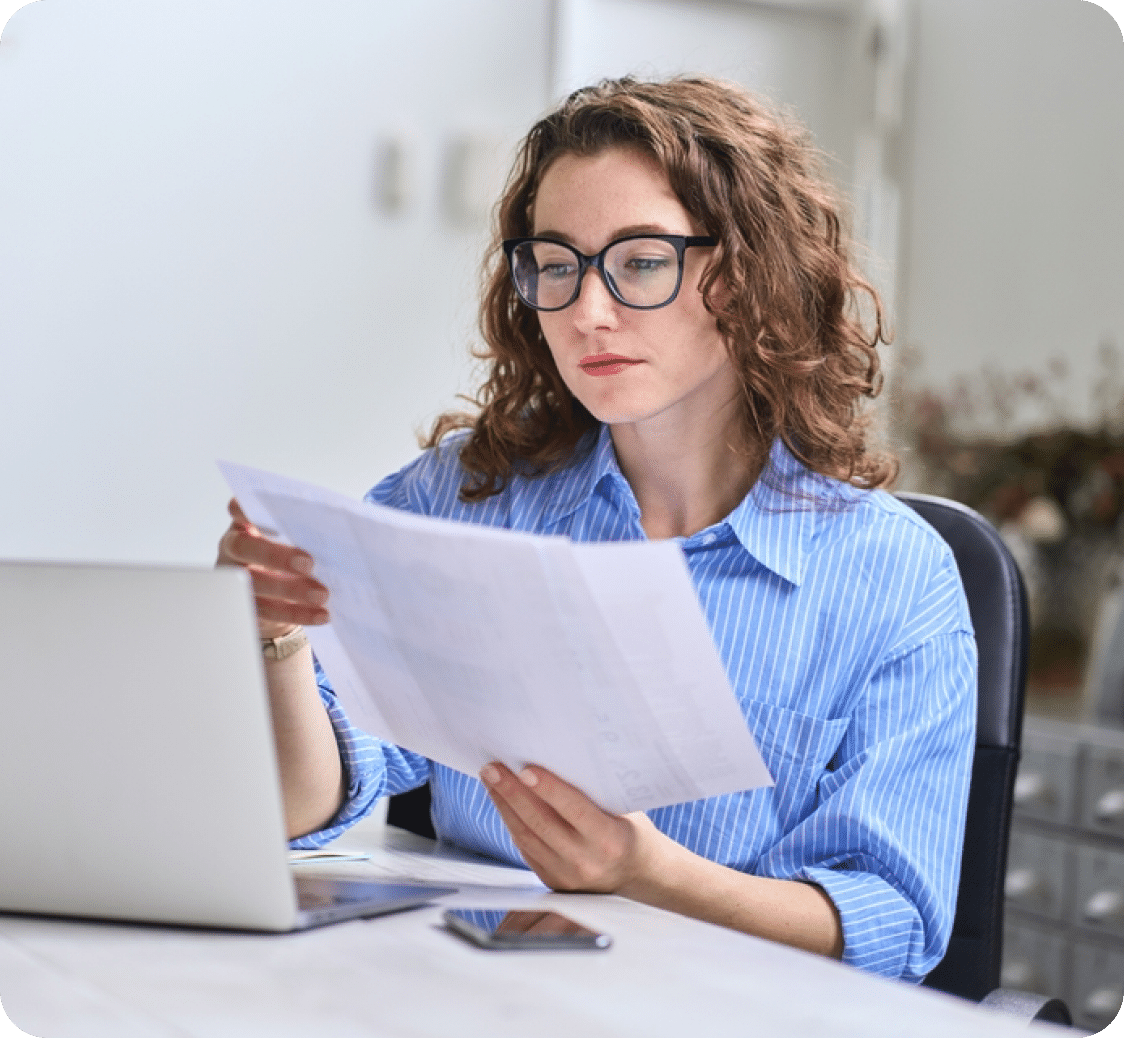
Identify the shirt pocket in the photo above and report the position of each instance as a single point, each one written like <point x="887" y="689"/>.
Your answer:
<point x="796" y="748"/>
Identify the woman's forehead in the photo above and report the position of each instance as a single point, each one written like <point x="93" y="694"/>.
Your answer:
<point x="582" y="196"/>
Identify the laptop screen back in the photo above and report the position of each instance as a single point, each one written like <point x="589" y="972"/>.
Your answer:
<point x="138" y="777"/>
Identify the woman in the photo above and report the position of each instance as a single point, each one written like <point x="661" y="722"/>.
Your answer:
<point x="671" y="319"/>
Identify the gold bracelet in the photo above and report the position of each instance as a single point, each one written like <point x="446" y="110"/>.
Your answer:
<point x="285" y="646"/>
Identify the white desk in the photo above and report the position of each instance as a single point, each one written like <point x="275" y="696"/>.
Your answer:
<point x="405" y="975"/>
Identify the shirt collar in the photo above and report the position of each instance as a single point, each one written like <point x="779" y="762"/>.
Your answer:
<point x="777" y="520"/>
<point x="578" y="484"/>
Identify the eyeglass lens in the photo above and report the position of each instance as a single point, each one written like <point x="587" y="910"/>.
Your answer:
<point x="641" y="272"/>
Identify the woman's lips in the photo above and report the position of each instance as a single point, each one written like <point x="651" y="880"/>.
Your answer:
<point x="601" y="364"/>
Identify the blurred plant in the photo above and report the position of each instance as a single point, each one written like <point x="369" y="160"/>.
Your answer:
<point x="1056" y="493"/>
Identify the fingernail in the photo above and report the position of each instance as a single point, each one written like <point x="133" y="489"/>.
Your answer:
<point x="489" y="775"/>
<point x="302" y="564"/>
<point x="528" y="777"/>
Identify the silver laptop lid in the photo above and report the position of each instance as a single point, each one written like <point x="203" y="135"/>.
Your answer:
<point x="138" y="777"/>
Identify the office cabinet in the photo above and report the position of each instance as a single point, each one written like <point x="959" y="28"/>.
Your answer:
<point x="1037" y="874"/>
<point x="1046" y="785"/>
<point x="1098" y="900"/>
<point x="1102" y="808"/>
<point x="1064" y="927"/>
<point x="1034" y="959"/>
<point x="1098" y="984"/>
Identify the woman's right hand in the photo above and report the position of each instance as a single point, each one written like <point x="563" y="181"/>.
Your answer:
<point x="286" y="595"/>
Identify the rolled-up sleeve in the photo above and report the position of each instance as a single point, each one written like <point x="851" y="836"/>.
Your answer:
<point x="372" y="768"/>
<point x="885" y="839"/>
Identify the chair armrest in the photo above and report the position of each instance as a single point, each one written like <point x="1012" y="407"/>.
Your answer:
<point x="1028" y="1006"/>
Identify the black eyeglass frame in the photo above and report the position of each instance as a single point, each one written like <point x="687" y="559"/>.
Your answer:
<point x="680" y="242"/>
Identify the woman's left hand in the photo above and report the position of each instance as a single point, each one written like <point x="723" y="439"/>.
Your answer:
<point x="570" y="842"/>
<point x="573" y="845"/>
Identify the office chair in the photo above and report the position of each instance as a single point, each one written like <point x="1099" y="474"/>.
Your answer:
<point x="997" y="602"/>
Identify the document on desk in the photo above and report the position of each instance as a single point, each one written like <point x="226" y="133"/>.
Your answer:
<point x="470" y="644"/>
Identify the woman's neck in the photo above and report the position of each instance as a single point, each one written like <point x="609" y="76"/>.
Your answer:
<point x="689" y="477"/>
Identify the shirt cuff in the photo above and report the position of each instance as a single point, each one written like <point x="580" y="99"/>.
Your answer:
<point x="881" y="929"/>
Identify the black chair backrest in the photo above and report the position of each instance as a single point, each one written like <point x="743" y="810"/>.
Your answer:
<point x="410" y="811"/>
<point x="997" y="602"/>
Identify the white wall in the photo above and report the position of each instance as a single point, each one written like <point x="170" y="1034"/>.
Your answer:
<point x="193" y="263"/>
<point x="1015" y="221"/>
<point x="802" y="58"/>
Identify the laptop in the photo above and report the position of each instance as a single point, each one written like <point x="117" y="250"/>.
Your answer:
<point x="138" y="776"/>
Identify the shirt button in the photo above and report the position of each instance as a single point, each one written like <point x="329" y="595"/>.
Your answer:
<point x="709" y="538"/>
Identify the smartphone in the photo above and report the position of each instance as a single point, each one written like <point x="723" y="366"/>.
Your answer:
<point x="500" y="929"/>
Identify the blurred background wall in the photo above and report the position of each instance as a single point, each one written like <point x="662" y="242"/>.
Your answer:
<point x="250" y="229"/>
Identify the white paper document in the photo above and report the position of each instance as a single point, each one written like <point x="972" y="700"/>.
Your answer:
<point x="470" y="644"/>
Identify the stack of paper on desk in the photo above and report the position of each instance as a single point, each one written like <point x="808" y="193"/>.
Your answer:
<point x="469" y="645"/>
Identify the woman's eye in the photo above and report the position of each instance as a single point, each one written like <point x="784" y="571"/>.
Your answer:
<point x="556" y="270"/>
<point x="642" y="268"/>
<point x="647" y="264"/>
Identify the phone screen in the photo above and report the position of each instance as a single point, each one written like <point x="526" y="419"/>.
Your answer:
<point x="503" y="929"/>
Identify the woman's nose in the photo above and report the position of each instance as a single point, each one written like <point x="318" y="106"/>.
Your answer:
<point x="595" y="306"/>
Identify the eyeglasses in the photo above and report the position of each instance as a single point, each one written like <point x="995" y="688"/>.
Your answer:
<point x="643" y="271"/>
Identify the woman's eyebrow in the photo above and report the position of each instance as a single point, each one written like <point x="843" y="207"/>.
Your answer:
<point x="621" y="232"/>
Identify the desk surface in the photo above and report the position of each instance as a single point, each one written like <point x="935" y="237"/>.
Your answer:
<point x="405" y="975"/>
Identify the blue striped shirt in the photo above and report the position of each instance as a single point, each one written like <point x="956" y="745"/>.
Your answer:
<point x="843" y="626"/>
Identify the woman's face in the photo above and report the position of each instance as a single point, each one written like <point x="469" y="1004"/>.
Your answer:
<point x="668" y="365"/>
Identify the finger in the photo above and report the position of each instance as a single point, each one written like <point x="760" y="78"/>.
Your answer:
<point x="287" y="588"/>
<point x="521" y="807"/>
<point x="546" y="864"/>
<point x="272" y="610"/>
<point x="283" y="598"/>
<point x="521" y="797"/>
<point x="241" y="519"/>
<point x="536" y="828"/>
<point x="285" y="595"/>
<point x="244" y="546"/>
<point x="570" y="803"/>
<point x="236" y="513"/>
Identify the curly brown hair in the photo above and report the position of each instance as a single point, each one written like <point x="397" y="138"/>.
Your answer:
<point x="789" y="297"/>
